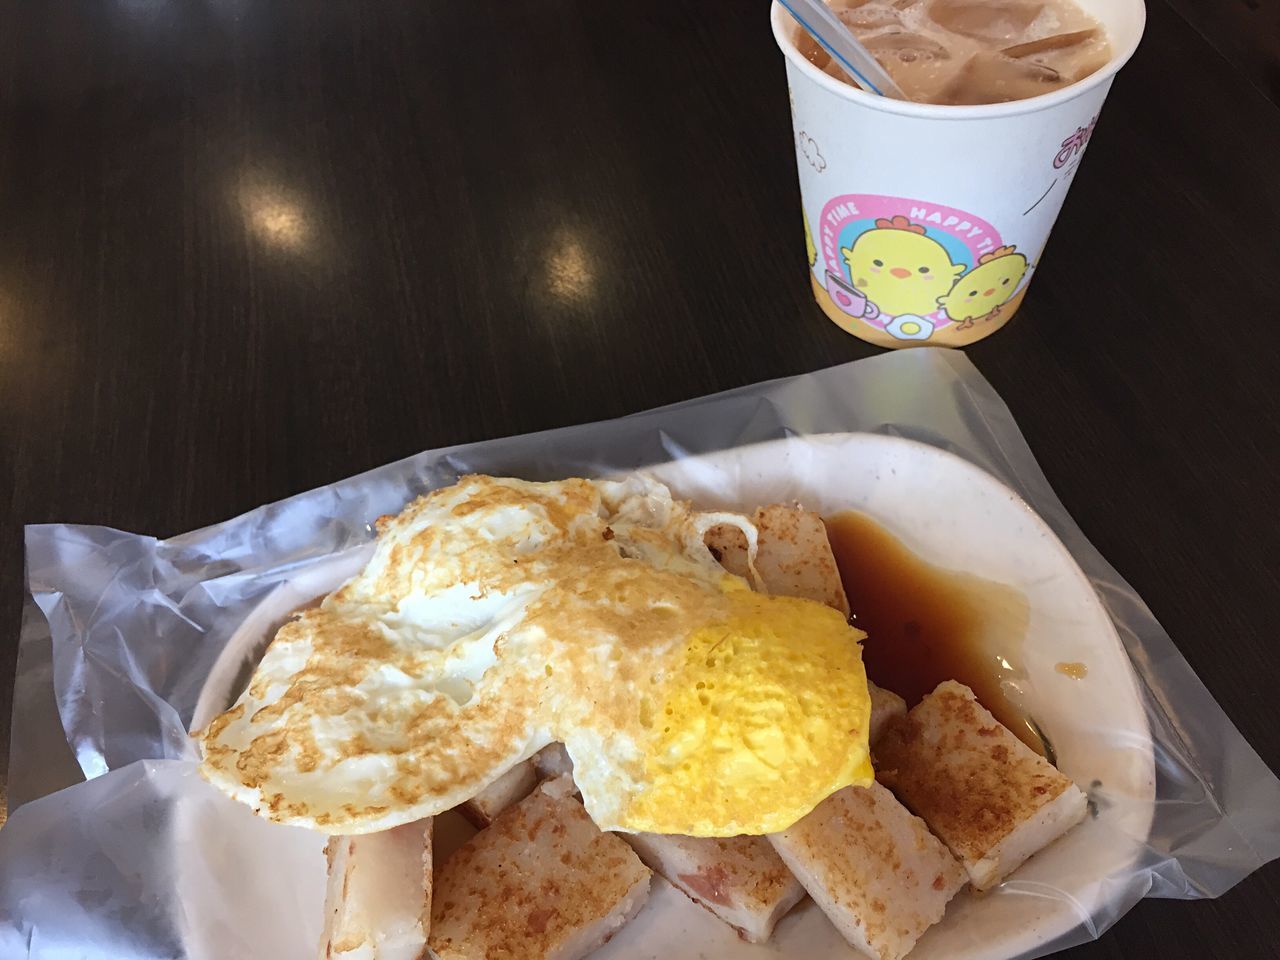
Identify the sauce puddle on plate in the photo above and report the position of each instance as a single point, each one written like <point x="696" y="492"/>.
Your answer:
<point x="925" y="624"/>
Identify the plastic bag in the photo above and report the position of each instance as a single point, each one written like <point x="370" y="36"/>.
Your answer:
<point x="128" y="628"/>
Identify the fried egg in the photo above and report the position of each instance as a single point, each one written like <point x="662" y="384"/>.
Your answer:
<point x="908" y="327"/>
<point x="497" y="616"/>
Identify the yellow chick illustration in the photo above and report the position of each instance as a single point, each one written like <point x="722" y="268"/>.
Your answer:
<point x="986" y="287"/>
<point x="899" y="269"/>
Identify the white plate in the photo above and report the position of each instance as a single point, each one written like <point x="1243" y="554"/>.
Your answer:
<point x="955" y="516"/>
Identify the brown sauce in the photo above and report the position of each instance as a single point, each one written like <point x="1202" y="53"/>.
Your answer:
<point x="925" y="624"/>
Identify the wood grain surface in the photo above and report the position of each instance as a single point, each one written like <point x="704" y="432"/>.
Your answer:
<point x="247" y="248"/>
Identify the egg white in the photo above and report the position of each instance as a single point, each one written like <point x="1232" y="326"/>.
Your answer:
<point x="463" y="649"/>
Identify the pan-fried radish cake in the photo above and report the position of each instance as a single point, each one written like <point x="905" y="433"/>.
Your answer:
<point x="793" y="556"/>
<point x="689" y="690"/>
<point x="510" y="788"/>
<point x="378" y="895"/>
<point x="886" y="708"/>
<point x="985" y="793"/>
<point x="875" y="870"/>
<point x="541" y="881"/>
<point x="741" y="880"/>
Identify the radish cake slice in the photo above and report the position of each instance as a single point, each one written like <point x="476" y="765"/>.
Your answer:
<point x="378" y="895"/>
<point x="741" y="880"/>
<point x="540" y="881"/>
<point x="793" y="554"/>
<point x="886" y="707"/>
<point x="874" y="869"/>
<point x="510" y="788"/>
<point x="987" y="795"/>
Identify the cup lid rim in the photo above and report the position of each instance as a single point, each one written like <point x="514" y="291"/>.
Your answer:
<point x="935" y="111"/>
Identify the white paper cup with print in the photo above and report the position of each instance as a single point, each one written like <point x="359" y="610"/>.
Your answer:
<point x="958" y="200"/>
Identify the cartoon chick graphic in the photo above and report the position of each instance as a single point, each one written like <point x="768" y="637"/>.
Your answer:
<point x="986" y="287"/>
<point x="899" y="269"/>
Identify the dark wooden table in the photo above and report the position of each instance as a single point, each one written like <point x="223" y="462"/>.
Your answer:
<point x="247" y="248"/>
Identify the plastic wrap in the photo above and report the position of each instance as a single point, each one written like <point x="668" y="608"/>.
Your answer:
<point x="122" y="631"/>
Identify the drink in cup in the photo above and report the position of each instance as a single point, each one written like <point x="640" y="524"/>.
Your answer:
<point x="962" y="52"/>
<point x="926" y="219"/>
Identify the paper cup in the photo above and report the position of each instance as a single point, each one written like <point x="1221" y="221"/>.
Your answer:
<point x="971" y="193"/>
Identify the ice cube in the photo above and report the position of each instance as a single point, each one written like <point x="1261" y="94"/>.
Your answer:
<point x="1090" y="62"/>
<point x="1075" y="55"/>
<point x="995" y="78"/>
<point x="994" y="21"/>
<point x="811" y="50"/>
<point x="1059" y="41"/>
<point x="869" y="15"/>
<point x="906" y="47"/>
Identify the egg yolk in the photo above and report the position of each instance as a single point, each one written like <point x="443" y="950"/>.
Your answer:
<point x="763" y="716"/>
